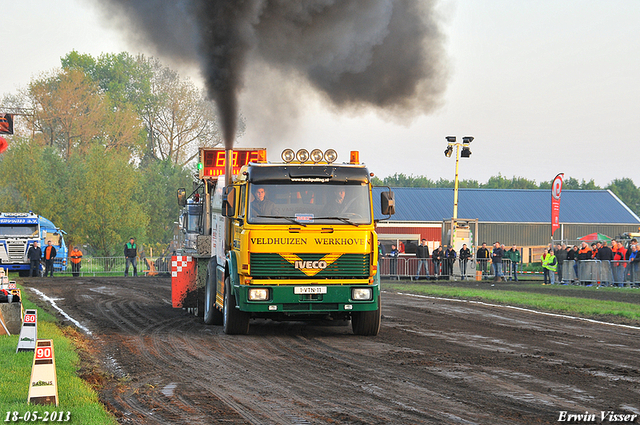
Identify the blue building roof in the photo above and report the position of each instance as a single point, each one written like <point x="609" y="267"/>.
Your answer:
<point x="507" y="205"/>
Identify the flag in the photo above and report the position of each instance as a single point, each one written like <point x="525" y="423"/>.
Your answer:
<point x="556" y="191"/>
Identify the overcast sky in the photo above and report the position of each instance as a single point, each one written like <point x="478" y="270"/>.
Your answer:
<point x="544" y="87"/>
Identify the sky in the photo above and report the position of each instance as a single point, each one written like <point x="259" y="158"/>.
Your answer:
<point x="544" y="87"/>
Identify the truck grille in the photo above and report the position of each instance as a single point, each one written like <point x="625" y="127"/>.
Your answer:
<point x="274" y="266"/>
<point x="16" y="252"/>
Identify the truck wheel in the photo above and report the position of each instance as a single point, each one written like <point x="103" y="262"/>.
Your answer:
<point x="212" y="316"/>
<point x="236" y="322"/>
<point x="366" y="323"/>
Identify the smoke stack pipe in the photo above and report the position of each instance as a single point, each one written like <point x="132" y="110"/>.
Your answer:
<point x="228" y="179"/>
<point x="228" y="167"/>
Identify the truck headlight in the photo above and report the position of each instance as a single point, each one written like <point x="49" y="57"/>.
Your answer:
<point x="361" y="294"/>
<point x="258" y="294"/>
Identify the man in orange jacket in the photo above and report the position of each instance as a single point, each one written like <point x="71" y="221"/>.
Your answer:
<point x="49" y="254"/>
<point x="76" y="258"/>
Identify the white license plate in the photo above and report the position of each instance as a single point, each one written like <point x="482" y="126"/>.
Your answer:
<point x="310" y="290"/>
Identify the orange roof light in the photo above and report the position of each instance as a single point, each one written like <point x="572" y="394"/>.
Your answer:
<point x="355" y="157"/>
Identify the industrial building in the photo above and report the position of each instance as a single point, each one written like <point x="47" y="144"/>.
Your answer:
<point x="510" y="216"/>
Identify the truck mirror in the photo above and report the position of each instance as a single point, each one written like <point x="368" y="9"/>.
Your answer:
<point x="229" y="202"/>
<point x="182" y="197"/>
<point x="388" y="203"/>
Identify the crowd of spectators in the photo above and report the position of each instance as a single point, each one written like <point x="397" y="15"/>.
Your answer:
<point x="624" y="262"/>
<point x="616" y="265"/>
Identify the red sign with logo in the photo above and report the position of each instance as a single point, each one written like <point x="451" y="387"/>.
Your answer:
<point x="556" y="191"/>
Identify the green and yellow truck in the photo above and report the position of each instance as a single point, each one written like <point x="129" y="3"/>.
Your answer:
<point x="293" y="240"/>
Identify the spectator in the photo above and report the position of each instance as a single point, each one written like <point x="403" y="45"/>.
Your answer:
<point x="584" y="254"/>
<point x="450" y="258"/>
<point x="394" y="261"/>
<point x="482" y="256"/>
<point x="496" y="258"/>
<point x="436" y="257"/>
<point x="619" y="253"/>
<point x="561" y="256"/>
<point x="422" y="254"/>
<point x="34" y="254"/>
<point x="514" y="256"/>
<point x="632" y="253"/>
<point x="605" y="255"/>
<point x="49" y="255"/>
<point x="550" y="265"/>
<point x="571" y="256"/>
<point x="465" y="254"/>
<point x="130" y="253"/>
<point x="76" y="258"/>
<point x="575" y="264"/>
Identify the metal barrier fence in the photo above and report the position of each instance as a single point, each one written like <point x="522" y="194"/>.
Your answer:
<point x="605" y="273"/>
<point x="93" y="266"/>
<point x="413" y="267"/>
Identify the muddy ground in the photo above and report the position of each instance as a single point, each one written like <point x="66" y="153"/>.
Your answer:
<point x="435" y="361"/>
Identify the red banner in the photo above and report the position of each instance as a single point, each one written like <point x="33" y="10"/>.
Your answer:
<point x="556" y="191"/>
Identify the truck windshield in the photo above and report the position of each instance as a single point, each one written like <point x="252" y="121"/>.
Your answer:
<point x="21" y="231"/>
<point x="309" y="204"/>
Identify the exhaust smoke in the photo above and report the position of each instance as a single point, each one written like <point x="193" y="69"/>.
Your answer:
<point x="385" y="55"/>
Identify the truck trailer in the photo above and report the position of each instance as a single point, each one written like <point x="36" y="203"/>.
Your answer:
<point x="293" y="240"/>
<point x="18" y="231"/>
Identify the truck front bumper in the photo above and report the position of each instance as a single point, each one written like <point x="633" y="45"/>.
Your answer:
<point x="321" y="299"/>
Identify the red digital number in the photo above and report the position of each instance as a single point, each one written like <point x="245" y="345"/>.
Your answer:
<point x="219" y="159"/>
<point x="30" y="318"/>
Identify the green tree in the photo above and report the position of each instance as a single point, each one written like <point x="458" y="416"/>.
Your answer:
<point x="31" y="180"/>
<point x="108" y="208"/>
<point x="178" y="119"/>
<point x="627" y="191"/>
<point x="160" y="181"/>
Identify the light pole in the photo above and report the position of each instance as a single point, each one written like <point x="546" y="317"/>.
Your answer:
<point x="465" y="153"/>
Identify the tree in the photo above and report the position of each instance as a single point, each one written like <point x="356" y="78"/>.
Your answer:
<point x="179" y="119"/>
<point x="160" y="180"/>
<point x="177" y="116"/>
<point x="31" y="180"/>
<point x="70" y="114"/>
<point x="627" y="191"/>
<point x="108" y="193"/>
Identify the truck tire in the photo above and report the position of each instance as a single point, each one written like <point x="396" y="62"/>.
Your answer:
<point x="366" y="323"/>
<point x="235" y="322"/>
<point x="212" y="316"/>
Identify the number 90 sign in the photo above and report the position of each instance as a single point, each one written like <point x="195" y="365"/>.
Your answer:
<point x="44" y="353"/>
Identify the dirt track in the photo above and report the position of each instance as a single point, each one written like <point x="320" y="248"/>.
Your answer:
<point x="434" y="361"/>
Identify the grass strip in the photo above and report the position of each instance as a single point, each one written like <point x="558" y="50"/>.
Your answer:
<point x="74" y="395"/>
<point x="553" y="303"/>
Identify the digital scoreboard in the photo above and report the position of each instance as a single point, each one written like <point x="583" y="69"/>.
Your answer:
<point x="212" y="161"/>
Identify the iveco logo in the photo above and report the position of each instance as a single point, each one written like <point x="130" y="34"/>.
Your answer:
<point x="310" y="264"/>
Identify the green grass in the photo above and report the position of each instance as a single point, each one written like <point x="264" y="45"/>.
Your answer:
<point x="74" y="394"/>
<point x="554" y="303"/>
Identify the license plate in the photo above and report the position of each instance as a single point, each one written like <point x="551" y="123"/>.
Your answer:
<point x="310" y="290"/>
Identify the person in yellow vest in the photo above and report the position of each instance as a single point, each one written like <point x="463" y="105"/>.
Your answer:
<point x="49" y="254"/>
<point x="550" y="264"/>
<point x="76" y="259"/>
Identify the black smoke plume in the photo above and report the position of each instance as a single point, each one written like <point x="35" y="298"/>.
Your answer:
<point x="381" y="54"/>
